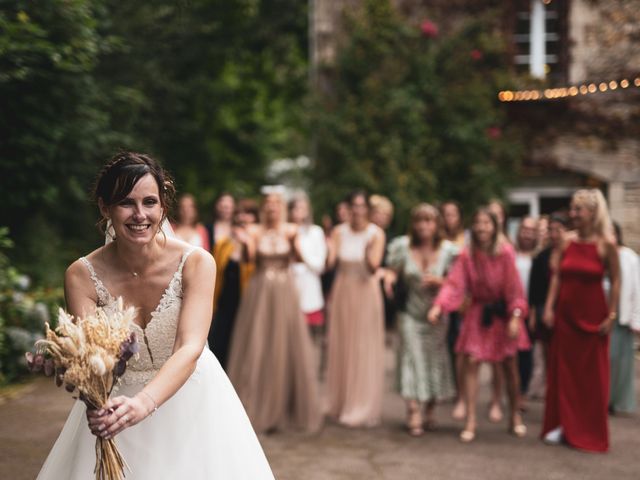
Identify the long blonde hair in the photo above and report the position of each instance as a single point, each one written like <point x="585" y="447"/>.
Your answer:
<point x="594" y="200"/>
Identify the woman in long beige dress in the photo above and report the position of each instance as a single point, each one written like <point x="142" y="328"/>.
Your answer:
<point x="355" y="370"/>
<point x="271" y="362"/>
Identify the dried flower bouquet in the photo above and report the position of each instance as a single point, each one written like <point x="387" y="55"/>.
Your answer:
<point x="89" y="354"/>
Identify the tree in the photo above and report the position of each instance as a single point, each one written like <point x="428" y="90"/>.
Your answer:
<point x="413" y="115"/>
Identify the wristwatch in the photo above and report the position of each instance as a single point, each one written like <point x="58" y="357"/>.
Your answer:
<point x="517" y="312"/>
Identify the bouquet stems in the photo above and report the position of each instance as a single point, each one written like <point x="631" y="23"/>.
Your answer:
<point x="109" y="462"/>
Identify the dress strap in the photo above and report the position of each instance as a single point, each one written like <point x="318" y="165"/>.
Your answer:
<point x="185" y="255"/>
<point x="103" y="294"/>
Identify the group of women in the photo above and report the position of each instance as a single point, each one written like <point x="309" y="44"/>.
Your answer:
<point x="451" y="287"/>
<point x="176" y="414"/>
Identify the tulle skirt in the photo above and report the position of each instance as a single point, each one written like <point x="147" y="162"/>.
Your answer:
<point x="200" y="433"/>
<point x="355" y="369"/>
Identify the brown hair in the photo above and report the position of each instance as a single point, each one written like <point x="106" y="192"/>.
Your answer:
<point x="425" y="211"/>
<point x="460" y="228"/>
<point x="186" y="196"/>
<point x="120" y="174"/>
<point x="475" y="244"/>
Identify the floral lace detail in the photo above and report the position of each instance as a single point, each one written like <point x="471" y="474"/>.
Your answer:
<point x="104" y="297"/>
<point x="157" y="339"/>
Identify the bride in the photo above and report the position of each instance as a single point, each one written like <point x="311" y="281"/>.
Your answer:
<point x="175" y="414"/>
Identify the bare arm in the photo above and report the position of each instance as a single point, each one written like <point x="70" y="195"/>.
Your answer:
<point x="375" y="251"/>
<point x="332" y="252"/>
<point x="554" y="287"/>
<point x="249" y="244"/>
<point x="191" y="335"/>
<point x="79" y="290"/>
<point x="613" y="263"/>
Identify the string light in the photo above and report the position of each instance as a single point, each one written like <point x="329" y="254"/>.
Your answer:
<point x="564" y="92"/>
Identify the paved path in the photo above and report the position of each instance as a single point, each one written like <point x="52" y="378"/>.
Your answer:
<point x="30" y="422"/>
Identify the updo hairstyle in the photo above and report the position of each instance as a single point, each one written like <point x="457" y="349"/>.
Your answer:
<point x="118" y="177"/>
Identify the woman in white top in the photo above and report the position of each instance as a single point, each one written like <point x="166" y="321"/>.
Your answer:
<point x="313" y="253"/>
<point x="355" y="370"/>
<point x="623" y="392"/>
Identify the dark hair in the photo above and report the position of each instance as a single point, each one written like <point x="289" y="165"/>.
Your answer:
<point x="120" y="174"/>
<point x="559" y="217"/>
<point x="248" y="205"/>
<point x="355" y="194"/>
<point x="496" y="229"/>
<point x="219" y="197"/>
<point x="459" y="208"/>
<point x="617" y="229"/>
<point x="186" y="196"/>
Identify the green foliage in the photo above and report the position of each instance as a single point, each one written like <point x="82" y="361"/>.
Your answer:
<point x="414" y="117"/>
<point x="210" y="87"/>
<point x="23" y="312"/>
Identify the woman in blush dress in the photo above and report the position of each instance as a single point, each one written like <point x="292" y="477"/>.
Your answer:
<point x="187" y="227"/>
<point x="271" y="362"/>
<point x="493" y="328"/>
<point x="199" y="429"/>
<point x="355" y="354"/>
<point x="582" y="317"/>
<point x="420" y="261"/>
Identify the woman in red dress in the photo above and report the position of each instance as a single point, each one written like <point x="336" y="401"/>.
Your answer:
<point x="576" y="308"/>
<point x="493" y="327"/>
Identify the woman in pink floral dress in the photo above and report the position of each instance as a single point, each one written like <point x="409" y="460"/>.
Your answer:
<point x="493" y="327"/>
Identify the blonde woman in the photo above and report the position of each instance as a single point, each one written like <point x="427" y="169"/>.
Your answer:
<point x="581" y="317"/>
<point x="420" y="262"/>
<point x="271" y="361"/>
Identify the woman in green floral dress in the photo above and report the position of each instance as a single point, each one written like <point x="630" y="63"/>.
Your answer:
<point x="419" y="262"/>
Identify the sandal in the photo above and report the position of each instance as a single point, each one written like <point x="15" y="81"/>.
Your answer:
<point x="414" y="423"/>
<point x="467" y="436"/>
<point x="518" y="429"/>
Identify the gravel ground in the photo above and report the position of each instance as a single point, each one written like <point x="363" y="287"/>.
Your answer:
<point x="32" y="415"/>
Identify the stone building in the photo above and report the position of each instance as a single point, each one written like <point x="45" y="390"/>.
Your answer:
<point x="588" y="135"/>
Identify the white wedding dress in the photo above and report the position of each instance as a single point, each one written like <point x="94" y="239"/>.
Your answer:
<point x="201" y="433"/>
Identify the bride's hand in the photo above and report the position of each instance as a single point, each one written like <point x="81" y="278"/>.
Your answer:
<point x="117" y="414"/>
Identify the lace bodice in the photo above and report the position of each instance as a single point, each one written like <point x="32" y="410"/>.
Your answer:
<point x="274" y="251"/>
<point x="157" y="339"/>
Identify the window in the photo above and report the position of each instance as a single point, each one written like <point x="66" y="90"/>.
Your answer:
<point x="538" y="37"/>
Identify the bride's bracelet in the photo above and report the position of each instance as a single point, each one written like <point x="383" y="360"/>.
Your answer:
<point x="155" y="405"/>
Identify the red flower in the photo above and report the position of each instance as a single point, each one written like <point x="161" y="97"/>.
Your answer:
<point x="476" y="54"/>
<point x="494" y="133"/>
<point x="429" y="29"/>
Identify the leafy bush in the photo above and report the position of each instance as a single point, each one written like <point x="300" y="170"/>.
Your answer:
<point x="23" y="313"/>
<point x="413" y="113"/>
